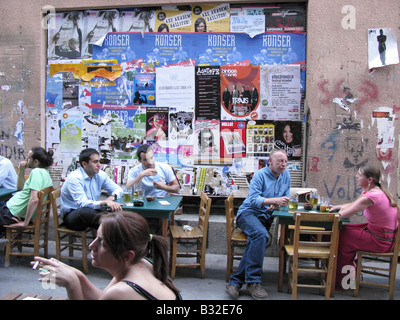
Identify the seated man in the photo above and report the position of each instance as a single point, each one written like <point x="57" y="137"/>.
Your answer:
<point x="80" y="193"/>
<point x="22" y="207"/>
<point x="269" y="189"/>
<point x="8" y="176"/>
<point x="156" y="178"/>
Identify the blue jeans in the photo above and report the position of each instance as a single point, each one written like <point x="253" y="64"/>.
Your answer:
<point x="250" y="267"/>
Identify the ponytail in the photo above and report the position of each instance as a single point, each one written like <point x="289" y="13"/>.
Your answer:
<point x="160" y="261"/>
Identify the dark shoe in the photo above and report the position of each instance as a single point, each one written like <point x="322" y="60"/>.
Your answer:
<point x="233" y="291"/>
<point x="256" y="291"/>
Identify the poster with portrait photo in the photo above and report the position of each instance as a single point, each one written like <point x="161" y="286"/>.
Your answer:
<point x="156" y="124"/>
<point x="180" y="128"/>
<point x="137" y="20"/>
<point x="288" y="138"/>
<point x="173" y="21"/>
<point x="211" y="18"/>
<point x="207" y="141"/>
<point x="382" y="48"/>
<point x="240" y="87"/>
<point x="97" y="23"/>
<point x="65" y="40"/>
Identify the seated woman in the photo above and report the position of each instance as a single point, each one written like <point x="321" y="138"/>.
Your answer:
<point x="381" y="213"/>
<point x="120" y="247"/>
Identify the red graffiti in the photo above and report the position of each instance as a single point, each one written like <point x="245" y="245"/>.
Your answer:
<point x="313" y="164"/>
<point x="367" y="91"/>
<point x="394" y="110"/>
<point x="330" y="94"/>
<point x="384" y="155"/>
<point x="370" y="93"/>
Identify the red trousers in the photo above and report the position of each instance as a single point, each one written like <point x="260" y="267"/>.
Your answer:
<point x="354" y="237"/>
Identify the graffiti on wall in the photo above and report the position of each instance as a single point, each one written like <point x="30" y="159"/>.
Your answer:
<point x="346" y="136"/>
<point x="343" y="96"/>
<point x="8" y="149"/>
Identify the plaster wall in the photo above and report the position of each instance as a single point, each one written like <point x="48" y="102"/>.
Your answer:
<point x="341" y="140"/>
<point x="338" y="140"/>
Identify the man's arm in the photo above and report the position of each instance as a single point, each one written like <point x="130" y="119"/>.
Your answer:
<point x="21" y="175"/>
<point x="30" y="210"/>
<point x="171" y="187"/>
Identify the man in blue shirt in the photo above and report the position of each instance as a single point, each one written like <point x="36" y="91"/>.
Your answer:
<point x="80" y="193"/>
<point x="269" y="189"/>
<point x="8" y="175"/>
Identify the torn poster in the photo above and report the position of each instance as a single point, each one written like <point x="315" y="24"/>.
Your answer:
<point x="382" y="48"/>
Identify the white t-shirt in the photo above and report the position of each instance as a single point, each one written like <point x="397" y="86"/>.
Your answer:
<point x="164" y="172"/>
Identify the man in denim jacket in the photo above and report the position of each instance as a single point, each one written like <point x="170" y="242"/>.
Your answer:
<point x="268" y="190"/>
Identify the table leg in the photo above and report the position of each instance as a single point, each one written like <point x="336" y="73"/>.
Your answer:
<point x="165" y="227"/>
<point x="281" y="256"/>
<point x="334" y="267"/>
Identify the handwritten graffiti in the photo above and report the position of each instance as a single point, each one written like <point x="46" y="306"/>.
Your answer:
<point x="355" y="149"/>
<point x="329" y="94"/>
<point x="348" y="124"/>
<point x="8" y="151"/>
<point x="330" y="145"/>
<point x="12" y="152"/>
<point x="343" y="188"/>
<point x="343" y="95"/>
<point x="369" y="92"/>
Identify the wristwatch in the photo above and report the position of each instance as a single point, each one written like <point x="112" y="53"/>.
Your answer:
<point x="115" y="197"/>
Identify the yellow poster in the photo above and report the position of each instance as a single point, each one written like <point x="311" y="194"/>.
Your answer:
<point x="173" y="21"/>
<point x="211" y="18"/>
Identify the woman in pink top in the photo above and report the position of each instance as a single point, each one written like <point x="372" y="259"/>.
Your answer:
<point x="377" y="234"/>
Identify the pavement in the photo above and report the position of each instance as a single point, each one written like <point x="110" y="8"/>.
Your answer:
<point x="20" y="277"/>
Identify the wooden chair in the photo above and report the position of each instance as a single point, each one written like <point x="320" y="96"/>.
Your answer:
<point x="389" y="258"/>
<point x="235" y="237"/>
<point x="197" y="236"/>
<point x="323" y="249"/>
<point x="70" y="239"/>
<point x="34" y="235"/>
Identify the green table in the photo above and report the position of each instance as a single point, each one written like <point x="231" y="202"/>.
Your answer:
<point x="6" y="194"/>
<point x="156" y="209"/>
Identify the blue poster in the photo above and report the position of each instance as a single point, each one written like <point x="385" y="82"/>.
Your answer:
<point x="208" y="49"/>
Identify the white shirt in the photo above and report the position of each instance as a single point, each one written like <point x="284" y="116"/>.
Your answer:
<point x="8" y="176"/>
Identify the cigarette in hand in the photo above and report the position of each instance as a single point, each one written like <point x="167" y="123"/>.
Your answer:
<point x="35" y="265"/>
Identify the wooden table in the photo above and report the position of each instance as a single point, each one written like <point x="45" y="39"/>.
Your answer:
<point x="6" y="194"/>
<point x="156" y="209"/>
<point x="29" y="296"/>
<point x="285" y="219"/>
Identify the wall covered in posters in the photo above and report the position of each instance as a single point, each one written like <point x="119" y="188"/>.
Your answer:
<point x="200" y="84"/>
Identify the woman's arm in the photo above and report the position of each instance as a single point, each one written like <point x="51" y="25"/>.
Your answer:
<point x="74" y="281"/>
<point x="359" y="205"/>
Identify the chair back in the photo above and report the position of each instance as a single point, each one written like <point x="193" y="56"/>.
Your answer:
<point x="230" y="216"/>
<point x="43" y="210"/>
<point x="308" y="218"/>
<point x="396" y="244"/>
<point x="54" y="207"/>
<point x="204" y="213"/>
